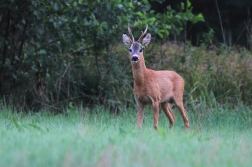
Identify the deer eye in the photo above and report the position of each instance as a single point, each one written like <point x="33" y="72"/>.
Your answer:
<point x="130" y="50"/>
<point x="140" y="50"/>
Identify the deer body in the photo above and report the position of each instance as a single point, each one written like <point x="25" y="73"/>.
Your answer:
<point x="154" y="87"/>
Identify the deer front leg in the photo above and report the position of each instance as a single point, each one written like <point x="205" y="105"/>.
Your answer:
<point x="140" y="115"/>
<point x="155" y="107"/>
<point x="140" y="112"/>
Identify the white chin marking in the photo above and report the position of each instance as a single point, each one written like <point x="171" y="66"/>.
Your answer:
<point x="134" y="61"/>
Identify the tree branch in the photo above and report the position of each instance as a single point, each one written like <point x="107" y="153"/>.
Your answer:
<point x="6" y="37"/>
<point x="22" y="41"/>
<point x="223" y="35"/>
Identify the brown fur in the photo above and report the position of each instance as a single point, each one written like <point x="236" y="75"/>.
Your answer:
<point x="156" y="88"/>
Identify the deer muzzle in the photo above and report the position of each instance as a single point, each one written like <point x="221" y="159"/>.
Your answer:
<point x="135" y="58"/>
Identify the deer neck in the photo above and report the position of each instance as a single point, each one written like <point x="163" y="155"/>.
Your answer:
<point x="139" y="70"/>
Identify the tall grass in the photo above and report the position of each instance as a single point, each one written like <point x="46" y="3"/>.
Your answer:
<point x="212" y="74"/>
<point x="94" y="137"/>
<point x="217" y="74"/>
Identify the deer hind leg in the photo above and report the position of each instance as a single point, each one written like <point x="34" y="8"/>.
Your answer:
<point x="155" y="107"/>
<point x="179" y="103"/>
<point x="168" y="112"/>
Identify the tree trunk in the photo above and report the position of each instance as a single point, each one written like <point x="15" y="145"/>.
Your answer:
<point x="6" y="19"/>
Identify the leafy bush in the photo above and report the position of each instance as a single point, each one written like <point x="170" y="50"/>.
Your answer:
<point x="57" y="52"/>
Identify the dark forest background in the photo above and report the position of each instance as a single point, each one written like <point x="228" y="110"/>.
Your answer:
<point x="64" y="54"/>
<point x="235" y="18"/>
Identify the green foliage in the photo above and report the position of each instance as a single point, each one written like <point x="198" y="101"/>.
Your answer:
<point x="169" y="22"/>
<point x="208" y="37"/>
<point x="56" y="53"/>
<point x="62" y="54"/>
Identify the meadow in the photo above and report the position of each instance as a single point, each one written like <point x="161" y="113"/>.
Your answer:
<point x="218" y="136"/>
<point x="56" y="61"/>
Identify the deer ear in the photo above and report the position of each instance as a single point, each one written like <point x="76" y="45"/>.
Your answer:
<point x="146" y="39"/>
<point x="126" y="40"/>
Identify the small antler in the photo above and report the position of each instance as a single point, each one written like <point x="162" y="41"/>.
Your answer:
<point x="133" y="40"/>
<point x="143" y="33"/>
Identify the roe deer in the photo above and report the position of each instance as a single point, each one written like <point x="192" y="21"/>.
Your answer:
<point x="154" y="87"/>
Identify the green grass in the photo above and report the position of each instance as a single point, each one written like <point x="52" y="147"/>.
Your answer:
<point x="218" y="137"/>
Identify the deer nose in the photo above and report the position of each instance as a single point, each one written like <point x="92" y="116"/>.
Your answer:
<point x="134" y="58"/>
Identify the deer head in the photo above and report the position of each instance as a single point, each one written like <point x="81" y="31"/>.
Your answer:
<point x="136" y="47"/>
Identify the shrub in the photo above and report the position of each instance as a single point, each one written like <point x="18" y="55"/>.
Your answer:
<point x="57" y="52"/>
